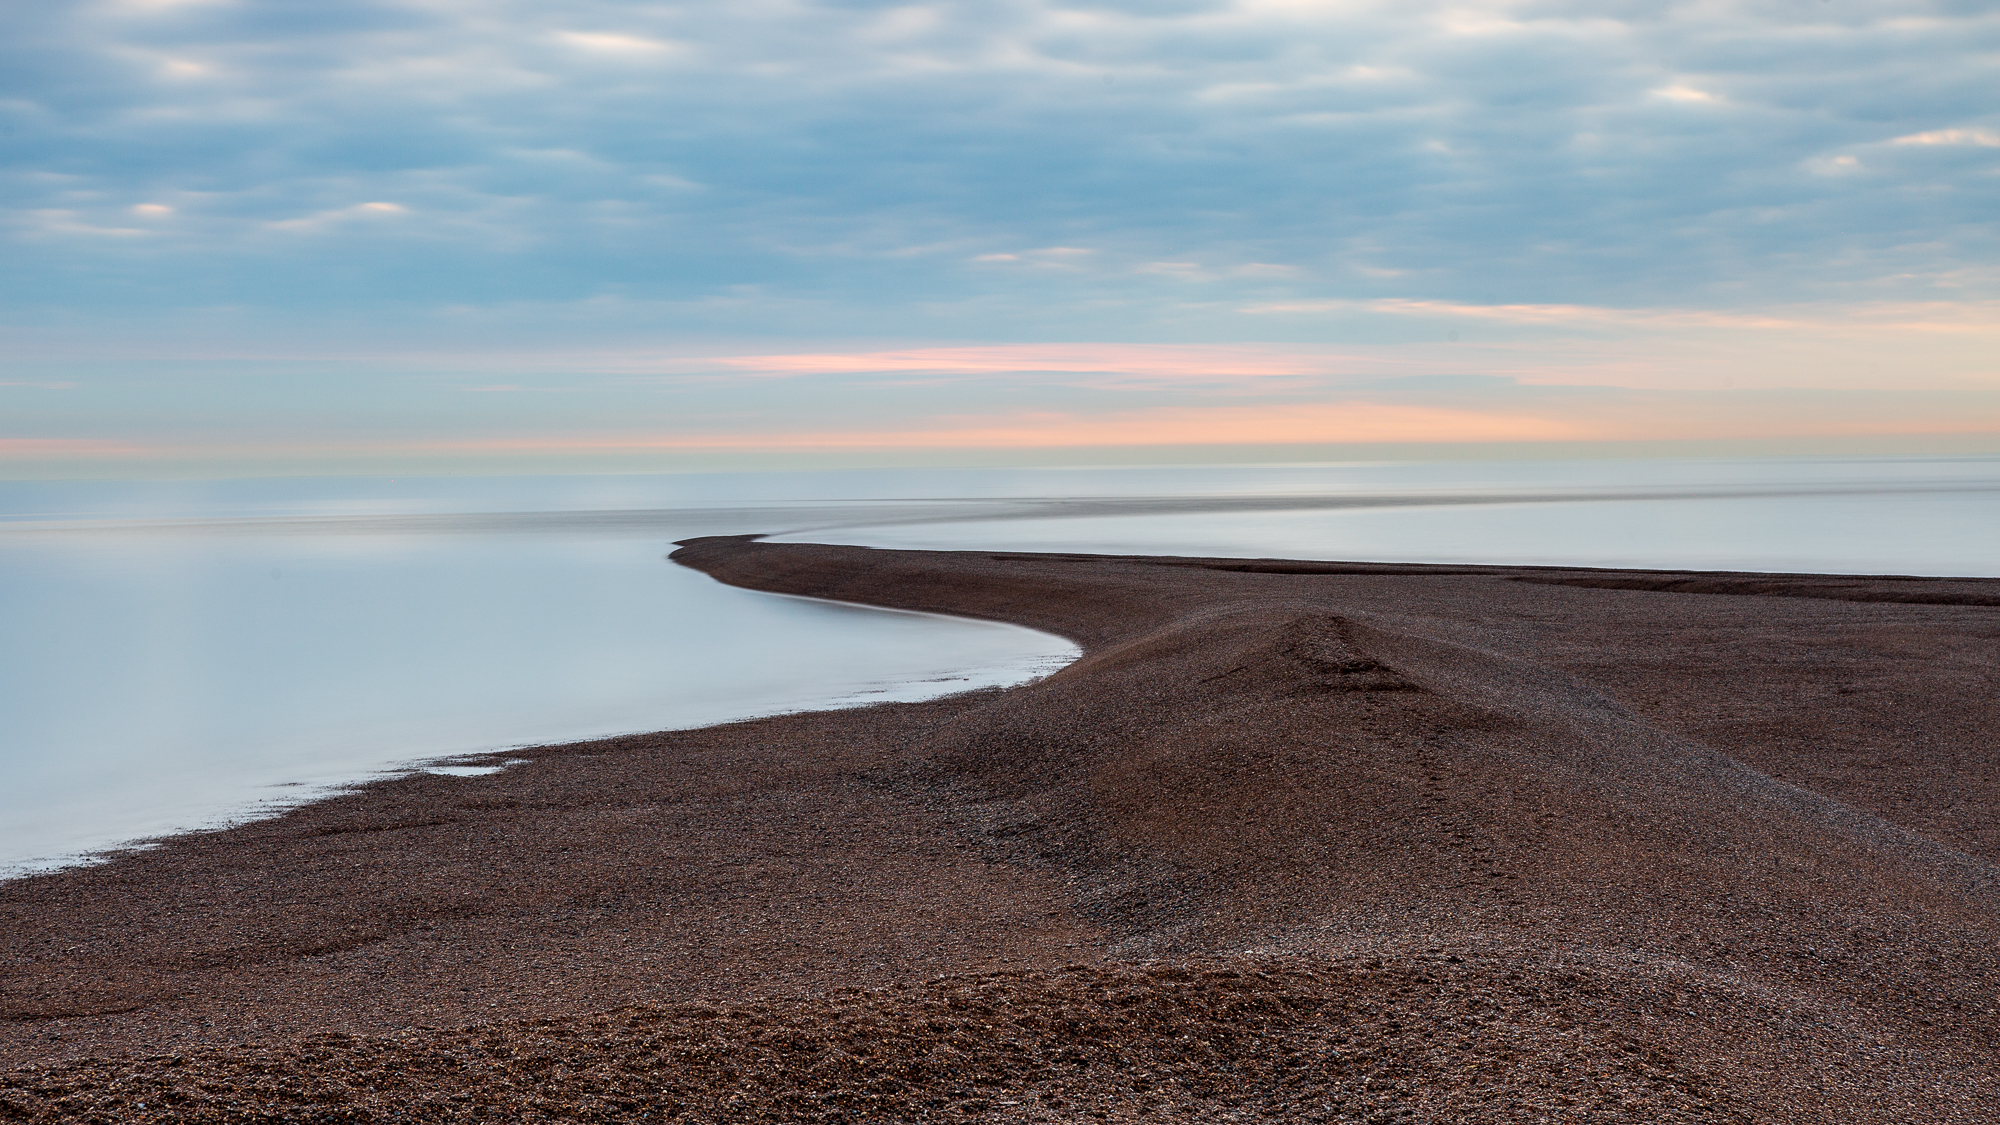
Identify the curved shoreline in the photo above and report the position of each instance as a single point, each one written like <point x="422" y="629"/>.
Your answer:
<point x="1758" y="832"/>
<point x="272" y="790"/>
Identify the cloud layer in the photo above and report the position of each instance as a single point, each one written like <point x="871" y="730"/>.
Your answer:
<point x="1733" y="185"/>
<point x="1516" y="152"/>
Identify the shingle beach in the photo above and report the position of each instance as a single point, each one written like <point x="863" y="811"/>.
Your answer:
<point x="1292" y="841"/>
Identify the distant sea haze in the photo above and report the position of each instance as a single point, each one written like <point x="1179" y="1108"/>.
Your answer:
<point x="184" y="654"/>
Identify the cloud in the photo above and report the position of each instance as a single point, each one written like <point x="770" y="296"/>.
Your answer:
<point x="1556" y="316"/>
<point x="55" y="222"/>
<point x="1508" y="414"/>
<point x="184" y="68"/>
<point x="67" y="449"/>
<point x="1883" y="320"/>
<point x="904" y="204"/>
<point x="1186" y="362"/>
<point x="1984" y="138"/>
<point x="323" y="219"/>
<point x="1679" y="92"/>
<point x="1354" y="421"/>
<point x="1845" y="164"/>
<point x="1058" y="257"/>
<point x="162" y="6"/>
<point x="1199" y="135"/>
<point x="616" y="43"/>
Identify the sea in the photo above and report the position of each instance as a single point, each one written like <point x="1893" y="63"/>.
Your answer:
<point x="185" y="655"/>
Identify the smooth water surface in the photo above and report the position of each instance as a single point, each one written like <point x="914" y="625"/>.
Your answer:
<point x="1836" y="515"/>
<point x="157" y="681"/>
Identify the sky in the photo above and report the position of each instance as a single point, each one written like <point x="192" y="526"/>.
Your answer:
<point x="278" y="236"/>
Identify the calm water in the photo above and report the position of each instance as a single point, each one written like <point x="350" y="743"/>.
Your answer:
<point x="1848" y="516"/>
<point x="179" y="655"/>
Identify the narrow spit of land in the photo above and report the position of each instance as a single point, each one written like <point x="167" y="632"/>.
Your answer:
<point x="1292" y="841"/>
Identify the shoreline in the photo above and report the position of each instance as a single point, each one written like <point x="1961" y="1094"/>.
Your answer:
<point x="1752" y="820"/>
<point x="282" y="797"/>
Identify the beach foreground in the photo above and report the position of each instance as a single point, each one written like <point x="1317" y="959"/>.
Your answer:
<point x="1300" y="841"/>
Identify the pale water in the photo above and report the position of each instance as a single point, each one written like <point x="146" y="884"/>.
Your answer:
<point x="179" y="655"/>
<point x="1840" y="515"/>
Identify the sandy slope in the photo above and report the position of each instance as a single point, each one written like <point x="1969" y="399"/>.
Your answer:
<point x="1346" y="841"/>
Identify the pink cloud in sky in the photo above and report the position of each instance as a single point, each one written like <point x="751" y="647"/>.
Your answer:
<point x="1302" y="423"/>
<point x="1639" y="417"/>
<point x="1875" y="369"/>
<point x="1643" y="416"/>
<point x="1870" y="344"/>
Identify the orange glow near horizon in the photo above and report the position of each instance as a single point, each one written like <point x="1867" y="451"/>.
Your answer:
<point x="1357" y="423"/>
<point x="1348" y="423"/>
<point x="24" y="449"/>
<point x="1656" y="375"/>
<point x="1242" y="425"/>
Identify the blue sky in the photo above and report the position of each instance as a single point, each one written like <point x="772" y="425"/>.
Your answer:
<point x="533" y="230"/>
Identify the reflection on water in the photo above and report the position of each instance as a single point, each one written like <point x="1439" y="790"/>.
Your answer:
<point x="1846" y="515"/>
<point x="180" y="653"/>
<point x="155" y="681"/>
<point x="1930" y="534"/>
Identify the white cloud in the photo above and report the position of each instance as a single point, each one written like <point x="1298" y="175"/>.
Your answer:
<point x="1065" y="257"/>
<point x="1842" y="165"/>
<point x="162" y="6"/>
<point x="1689" y="95"/>
<point x="322" y="219"/>
<point x="1883" y="319"/>
<point x="1984" y="138"/>
<point x="903" y="23"/>
<point x="63" y="221"/>
<point x="1551" y="152"/>
<point x="616" y="43"/>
